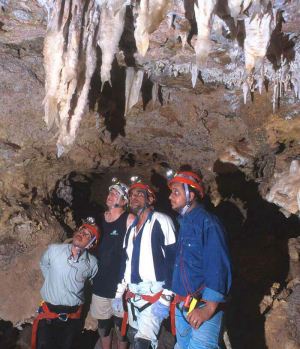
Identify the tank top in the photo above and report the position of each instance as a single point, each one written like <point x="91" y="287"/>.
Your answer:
<point x="109" y="254"/>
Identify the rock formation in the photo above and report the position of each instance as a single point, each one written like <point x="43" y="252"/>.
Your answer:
<point x="165" y="87"/>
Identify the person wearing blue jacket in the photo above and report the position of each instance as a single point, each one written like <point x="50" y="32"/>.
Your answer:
<point x="202" y="271"/>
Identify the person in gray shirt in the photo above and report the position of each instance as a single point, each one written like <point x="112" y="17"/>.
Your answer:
<point x="66" y="268"/>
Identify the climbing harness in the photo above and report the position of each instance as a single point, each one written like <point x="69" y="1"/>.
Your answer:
<point x="129" y="296"/>
<point x="45" y="313"/>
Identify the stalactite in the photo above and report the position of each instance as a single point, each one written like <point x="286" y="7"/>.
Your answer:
<point x="150" y="13"/>
<point x="134" y="79"/>
<point x="75" y="28"/>
<point x="111" y="28"/>
<point x="70" y="124"/>
<point x="204" y="11"/>
<point x="258" y="33"/>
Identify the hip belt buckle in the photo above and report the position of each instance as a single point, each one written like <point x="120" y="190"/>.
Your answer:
<point x="137" y="297"/>
<point x="63" y="317"/>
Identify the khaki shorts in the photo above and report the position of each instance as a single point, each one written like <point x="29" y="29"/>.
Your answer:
<point x="101" y="308"/>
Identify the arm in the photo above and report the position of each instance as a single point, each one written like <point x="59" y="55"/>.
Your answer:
<point x="217" y="272"/>
<point x="170" y="251"/>
<point x="45" y="261"/>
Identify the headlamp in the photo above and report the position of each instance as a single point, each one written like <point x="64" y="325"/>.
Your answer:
<point x="170" y="174"/>
<point x="135" y="179"/>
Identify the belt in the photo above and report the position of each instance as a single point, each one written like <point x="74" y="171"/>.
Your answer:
<point x="46" y="313"/>
<point x="150" y="299"/>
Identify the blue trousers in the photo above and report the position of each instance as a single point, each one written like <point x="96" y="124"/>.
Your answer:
<point x="207" y="336"/>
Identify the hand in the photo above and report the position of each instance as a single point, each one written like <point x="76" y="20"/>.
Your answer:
<point x="195" y="318"/>
<point x="199" y="315"/>
<point x="117" y="305"/>
<point x="160" y="310"/>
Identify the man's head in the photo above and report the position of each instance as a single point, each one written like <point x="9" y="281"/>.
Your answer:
<point x="186" y="187"/>
<point x="141" y="196"/>
<point x="117" y="195"/>
<point x="86" y="236"/>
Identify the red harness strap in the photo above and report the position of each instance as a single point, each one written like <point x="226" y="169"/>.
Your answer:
<point x="47" y="314"/>
<point x="177" y="299"/>
<point x="148" y="298"/>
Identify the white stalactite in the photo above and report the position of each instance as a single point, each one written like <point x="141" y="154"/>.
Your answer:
<point x="111" y="28"/>
<point x="70" y="125"/>
<point x="75" y="28"/>
<point x="204" y="12"/>
<point x="150" y="13"/>
<point x="134" y="79"/>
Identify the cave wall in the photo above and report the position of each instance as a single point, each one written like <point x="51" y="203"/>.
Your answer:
<point x="208" y="127"/>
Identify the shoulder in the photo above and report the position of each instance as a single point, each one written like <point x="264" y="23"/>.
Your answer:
<point x="162" y="217"/>
<point x="57" y="247"/>
<point x="164" y="220"/>
<point x="130" y="219"/>
<point x="207" y="220"/>
<point x="93" y="260"/>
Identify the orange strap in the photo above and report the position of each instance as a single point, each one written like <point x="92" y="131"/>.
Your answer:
<point x="148" y="298"/>
<point x="177" y="299"/>
<point x="47" y="314"/>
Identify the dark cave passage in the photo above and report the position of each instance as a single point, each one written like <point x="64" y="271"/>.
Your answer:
<point x="258" y="236"/>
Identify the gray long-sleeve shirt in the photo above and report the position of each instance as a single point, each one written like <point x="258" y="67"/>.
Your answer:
<point x="65" y="278"/>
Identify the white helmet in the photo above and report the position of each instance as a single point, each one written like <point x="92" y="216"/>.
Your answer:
<point x="120" y="187"/>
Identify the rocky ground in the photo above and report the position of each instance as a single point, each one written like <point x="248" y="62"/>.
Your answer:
<point x="246" y="152"/>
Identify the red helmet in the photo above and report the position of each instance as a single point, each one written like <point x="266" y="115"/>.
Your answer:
<point x="189" y="178"/>
<point x="93" y="229"/>
<point x="142" y="186"/>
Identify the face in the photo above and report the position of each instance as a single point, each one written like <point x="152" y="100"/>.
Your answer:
<point x="113" y="198"/>
<point x="137" y="199"/>
<point x="82" y="237"/>
<point x="177" y="196"/>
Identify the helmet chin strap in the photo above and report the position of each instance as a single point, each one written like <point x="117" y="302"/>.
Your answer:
<point x="183" y="210"/>
<point x="79" y="250"/>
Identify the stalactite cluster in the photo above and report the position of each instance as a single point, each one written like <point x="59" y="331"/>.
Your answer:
<point x="77" y="27"/>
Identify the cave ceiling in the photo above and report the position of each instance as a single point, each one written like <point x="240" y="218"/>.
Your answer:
<point x="131" y="83"/>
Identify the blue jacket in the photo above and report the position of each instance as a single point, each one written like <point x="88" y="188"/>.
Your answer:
<point x="202" y="265"/>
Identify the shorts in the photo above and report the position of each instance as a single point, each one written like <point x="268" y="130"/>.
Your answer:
<point x="101" y="308"/>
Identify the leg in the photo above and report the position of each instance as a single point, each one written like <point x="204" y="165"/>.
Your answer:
<point x="148" y="326"/>
<point x="68" y="332"/>
<point x="131" y="332"/>
<point x="101" y="309"/>
<point x="45" y="335"/>
<point x="208" y="335"/>
<point x="183" y="330"/>
<point x="141" y="343"/>
<point x="122" y="342"/>
<point x="104" y="330"/>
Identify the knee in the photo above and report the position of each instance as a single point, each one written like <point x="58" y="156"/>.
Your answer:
<point x="118" y="326"/>
<point x="141" y="343"/>
<point x="105" y="327"/>
<point x="131" y="332"/>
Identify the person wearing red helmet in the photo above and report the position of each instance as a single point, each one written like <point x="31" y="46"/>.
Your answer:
<point x="66" y="268"/>
<point x="202" y="270"/>
<point x="150" y="251"/>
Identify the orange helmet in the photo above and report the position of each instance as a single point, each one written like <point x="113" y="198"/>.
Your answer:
<point x="91" y="226"/>
<point x="139" y="185"/>
<point x="189" y="178"/>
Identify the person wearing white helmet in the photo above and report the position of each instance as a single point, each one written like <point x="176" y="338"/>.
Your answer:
<point x="114" y="224"/>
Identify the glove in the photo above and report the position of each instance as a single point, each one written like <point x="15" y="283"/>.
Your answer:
<point x="160" y="310"/>
<point x="117" y="305"/>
